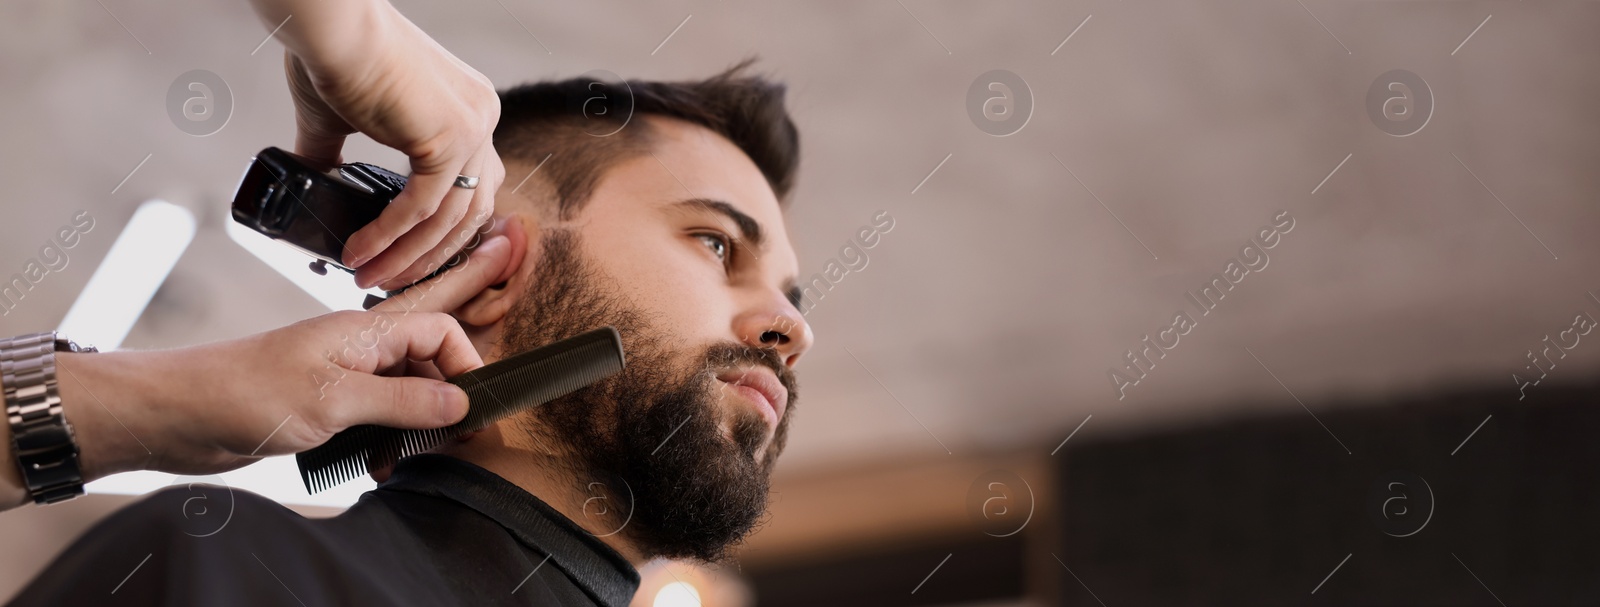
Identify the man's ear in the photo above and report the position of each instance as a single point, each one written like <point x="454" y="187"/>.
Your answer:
<point x="491" y="304"/>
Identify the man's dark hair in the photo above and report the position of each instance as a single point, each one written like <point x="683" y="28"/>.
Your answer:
<point x="551" y="119"/>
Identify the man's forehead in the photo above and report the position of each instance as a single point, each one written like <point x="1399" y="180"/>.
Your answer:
<point x="701" y="159"/>
<point x="693" y="168"/>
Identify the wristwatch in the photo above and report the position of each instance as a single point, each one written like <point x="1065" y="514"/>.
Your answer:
<point x="41" y="438"/>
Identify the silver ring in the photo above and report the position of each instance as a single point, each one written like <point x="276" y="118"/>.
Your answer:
<point x="466" y="183"/>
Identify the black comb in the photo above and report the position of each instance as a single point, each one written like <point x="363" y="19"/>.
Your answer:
<point x="494" y="391"/>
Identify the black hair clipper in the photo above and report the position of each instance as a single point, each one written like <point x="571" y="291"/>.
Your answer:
<point x="314" y="210"/>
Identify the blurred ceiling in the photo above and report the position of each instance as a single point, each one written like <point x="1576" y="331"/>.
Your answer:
<point x="1162" y="136"/>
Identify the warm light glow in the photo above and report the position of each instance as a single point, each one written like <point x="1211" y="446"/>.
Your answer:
<point x="677" y="594"/>
<point x="138" y="262"/>
<point x="277" y="478"/>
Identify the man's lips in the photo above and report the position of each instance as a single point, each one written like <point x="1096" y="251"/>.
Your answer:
<point x="762" y="385"/>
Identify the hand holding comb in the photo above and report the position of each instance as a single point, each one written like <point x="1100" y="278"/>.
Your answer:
<point x="494" y="391"/>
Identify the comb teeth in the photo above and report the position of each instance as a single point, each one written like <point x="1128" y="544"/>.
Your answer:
<point x="494" y="391"/>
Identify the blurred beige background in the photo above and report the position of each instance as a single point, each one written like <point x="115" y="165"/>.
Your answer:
<point x="1006" y="290"/>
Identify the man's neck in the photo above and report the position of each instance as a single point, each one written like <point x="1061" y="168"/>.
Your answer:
<point x="501" y="449"/>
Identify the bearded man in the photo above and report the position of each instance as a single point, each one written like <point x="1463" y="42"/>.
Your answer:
<point x="665" y="222"/>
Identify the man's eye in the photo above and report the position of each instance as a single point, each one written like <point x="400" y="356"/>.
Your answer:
<point x="717" y="244"/>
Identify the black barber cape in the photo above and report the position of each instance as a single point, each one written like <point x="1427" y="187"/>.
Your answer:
<point x="440" y="531"/>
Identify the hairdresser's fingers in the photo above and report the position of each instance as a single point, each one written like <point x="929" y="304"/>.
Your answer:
<point x="319" y="131"/>
<point x="429" y="245"/>
<point x="425" y="336"/>
<point x="397" y="402"/>
<point x="490" y="263"/>
<point x="369" y="248"/>
<point x="422" y="368"/>
<point x="439" y="152"/>
<point x="407" y="402"/>
<point x="466" y="232"/>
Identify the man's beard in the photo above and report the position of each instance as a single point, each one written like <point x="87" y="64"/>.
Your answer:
<point x="649" y="441"/>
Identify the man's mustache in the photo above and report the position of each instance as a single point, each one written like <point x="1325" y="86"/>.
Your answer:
<point x="733" y="354"/>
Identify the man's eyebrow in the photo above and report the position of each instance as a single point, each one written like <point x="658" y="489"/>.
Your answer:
<point x="747" y="224"/>
<point x="751" y="230"/>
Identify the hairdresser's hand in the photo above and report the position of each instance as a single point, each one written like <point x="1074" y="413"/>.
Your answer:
<point x="215" y="407"/>
<point x="291" y="389"/>
<point x="361" y="66"/>
<point x="454" y="288"/>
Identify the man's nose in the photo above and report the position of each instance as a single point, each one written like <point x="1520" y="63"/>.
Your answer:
<point x="776" y="324"/>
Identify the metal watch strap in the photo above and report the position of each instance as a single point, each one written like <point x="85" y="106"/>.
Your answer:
<point x="41" y="438"/>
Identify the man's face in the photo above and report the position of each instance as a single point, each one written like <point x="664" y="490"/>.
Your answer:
<point x="667" y="250"/>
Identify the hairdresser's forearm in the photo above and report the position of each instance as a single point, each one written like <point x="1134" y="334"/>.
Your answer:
<point x="114" y="402"/>
<point x="326" y="33"/>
